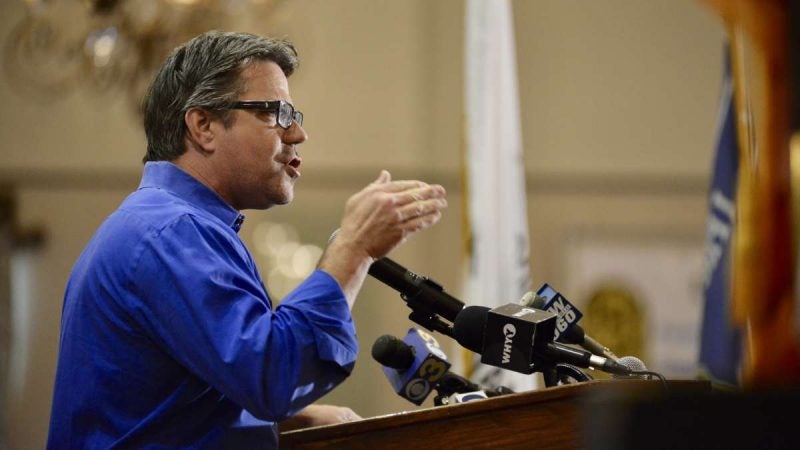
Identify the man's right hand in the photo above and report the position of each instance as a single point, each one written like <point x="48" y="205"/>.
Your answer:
<point x="376" y="220"/>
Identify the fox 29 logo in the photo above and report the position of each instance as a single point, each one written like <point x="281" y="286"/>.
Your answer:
<point x="433" y="368"/>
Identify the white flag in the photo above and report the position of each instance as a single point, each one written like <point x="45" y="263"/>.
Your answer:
<point x="499" y="272"/>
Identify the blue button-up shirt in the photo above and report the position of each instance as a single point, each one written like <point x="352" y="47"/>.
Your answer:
<point x="168" y="336"/>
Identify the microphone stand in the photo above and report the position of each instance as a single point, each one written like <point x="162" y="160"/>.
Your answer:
<point x="429" y="320"/>
<point x="562" y="373"/>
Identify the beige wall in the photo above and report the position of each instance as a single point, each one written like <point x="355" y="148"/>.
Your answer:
<point x="618" y="112"/>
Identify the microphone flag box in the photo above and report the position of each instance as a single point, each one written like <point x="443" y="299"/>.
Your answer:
<point x="567" y="313"/>
<point x="512" y="331"/>
<point x="430" y="364"/>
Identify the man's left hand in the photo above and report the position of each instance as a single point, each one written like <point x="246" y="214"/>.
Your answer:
<point x="319" y="415"/>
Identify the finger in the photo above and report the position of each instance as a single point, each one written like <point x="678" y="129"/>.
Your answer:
<point x="428" y="191"/>
<point x="348" y="415"/>
<point x="402" y="185"/>
<point x="420" y="223"/>
<point x="420" y="194"/>
<point x="383" y="177"/>
<point x="422" y="208"/>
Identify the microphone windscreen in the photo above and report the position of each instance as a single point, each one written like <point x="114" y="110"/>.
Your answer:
<point x="531" y="300"/>
<point x="468" y="327"/>
<point x="634" y="364"/>
<point x="391" y="352"/>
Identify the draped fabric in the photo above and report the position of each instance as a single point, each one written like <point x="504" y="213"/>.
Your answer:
<point x="495" y="181"/>
<point x="720" y="341"/>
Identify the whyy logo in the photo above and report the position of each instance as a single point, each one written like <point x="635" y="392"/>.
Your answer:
<point x="509" y="331"/>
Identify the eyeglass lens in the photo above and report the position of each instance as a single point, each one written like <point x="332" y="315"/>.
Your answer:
<point x="287" y="114"/>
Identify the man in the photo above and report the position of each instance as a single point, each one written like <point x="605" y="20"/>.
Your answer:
<point x="168" y="336"/>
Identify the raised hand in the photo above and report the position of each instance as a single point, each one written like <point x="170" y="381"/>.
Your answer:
<point x="376" y="220"/>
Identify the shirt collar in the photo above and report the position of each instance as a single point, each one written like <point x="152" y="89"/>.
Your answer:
<point x="169" y="177"/>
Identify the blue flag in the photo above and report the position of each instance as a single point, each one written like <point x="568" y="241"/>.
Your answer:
<point x="720" y="341"/>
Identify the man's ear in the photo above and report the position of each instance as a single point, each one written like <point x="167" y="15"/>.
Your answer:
<point x="201" y="134"/>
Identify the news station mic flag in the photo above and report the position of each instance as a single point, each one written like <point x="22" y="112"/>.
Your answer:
<point x="720" y="341"/>
<point x="496" y="227"/>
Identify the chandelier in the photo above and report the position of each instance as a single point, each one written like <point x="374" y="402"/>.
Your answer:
<point x="108" y="45"/>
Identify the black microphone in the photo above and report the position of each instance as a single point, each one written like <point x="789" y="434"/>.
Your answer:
<point x="416" y="290"/>
<point x="452" y="383"/>
<point x="518" y="338"/>
<point x="392" y="352"/>
<point x="413" y="365"/>
<point x="425" y="297"/>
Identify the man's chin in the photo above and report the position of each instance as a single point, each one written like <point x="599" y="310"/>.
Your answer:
<point x="284" y="199"/>
<point x="267" y="203"/>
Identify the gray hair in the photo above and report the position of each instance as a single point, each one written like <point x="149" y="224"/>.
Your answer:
<point x="205" y="73"/>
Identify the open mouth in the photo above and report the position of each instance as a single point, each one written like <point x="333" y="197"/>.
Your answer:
<point x="293" y="167"/>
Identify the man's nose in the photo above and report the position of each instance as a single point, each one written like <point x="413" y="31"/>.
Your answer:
<point x="295" y="134"/>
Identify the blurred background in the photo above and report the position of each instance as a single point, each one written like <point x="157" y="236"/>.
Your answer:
<point x="618" y="107"/>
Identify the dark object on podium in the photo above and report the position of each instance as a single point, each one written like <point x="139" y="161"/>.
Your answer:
<point x="711" y="420"/>
<point x="551" y="418"/>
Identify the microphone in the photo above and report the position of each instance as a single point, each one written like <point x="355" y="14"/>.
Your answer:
<point x="400" y="360"/>
<point x="426" y="298"/>
<point x="463" y="396"/>
<point x="635" y="364"/>
<point x="451" y="384"/>
<point x="418" y="291"/>
<point x="518" y="338"/>
<point x="413" y="365"/>
<point x="567" y="329"/>
<point x="531" y="300"/>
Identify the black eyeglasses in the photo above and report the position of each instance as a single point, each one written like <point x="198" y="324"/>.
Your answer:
<point x="286" y="112"/>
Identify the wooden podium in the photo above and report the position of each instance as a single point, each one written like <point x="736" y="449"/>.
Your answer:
<point x="552" y="418"/>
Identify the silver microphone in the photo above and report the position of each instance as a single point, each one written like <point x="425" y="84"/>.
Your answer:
<point x="635" y="365"/>
<point x="531" y="300"/>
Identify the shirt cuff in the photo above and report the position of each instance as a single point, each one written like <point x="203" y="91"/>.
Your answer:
<point x="320" y="300"/>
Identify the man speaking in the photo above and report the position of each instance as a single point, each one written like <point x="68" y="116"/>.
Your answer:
<point x="168" y="336"/>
